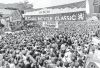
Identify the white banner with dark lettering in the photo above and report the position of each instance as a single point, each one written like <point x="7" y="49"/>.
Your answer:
<point x="74" y="16"/>
<point x="54" y="20"/>
<point x="50" y="24"/>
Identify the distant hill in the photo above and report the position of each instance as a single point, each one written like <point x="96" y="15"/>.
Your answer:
<point x="20" y="6"/>
<point x="8" y="5"/>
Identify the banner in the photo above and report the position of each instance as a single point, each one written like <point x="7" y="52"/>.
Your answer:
<point x="53" y="24"/>
<point x="74" y="16"/>
<point x="30" y="24"/>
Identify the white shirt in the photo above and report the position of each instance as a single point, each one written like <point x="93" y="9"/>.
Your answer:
<point x="67" y="57"/>
<point x="3" y="21"/>
<point x="95" y="40"/>
<point x="12" y="65"/>
<point x="63" y="47"/>
<point x="96" y="55"/>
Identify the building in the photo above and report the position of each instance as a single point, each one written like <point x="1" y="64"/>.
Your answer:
<point x="57" y="15"/>
<point x="94" y="6"/>
<point x="66" y="8"/>
<point x="70" y="11"/>
<point x="86" y="10"/>
<point x="77" y="16"/>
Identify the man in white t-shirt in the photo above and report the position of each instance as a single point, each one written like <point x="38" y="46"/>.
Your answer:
<point x="67" y="56"/>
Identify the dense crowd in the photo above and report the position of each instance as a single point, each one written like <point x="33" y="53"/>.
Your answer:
<point x="33" y="49"/>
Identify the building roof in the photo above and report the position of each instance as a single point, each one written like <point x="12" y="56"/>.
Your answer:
<point x="73" y="7"/>
<point x="81" y="4"/>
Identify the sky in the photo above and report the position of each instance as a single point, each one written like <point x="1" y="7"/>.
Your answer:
<point x="42" y="3"/>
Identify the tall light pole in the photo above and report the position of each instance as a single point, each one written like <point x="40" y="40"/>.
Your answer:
<point x="87" y="7"/>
